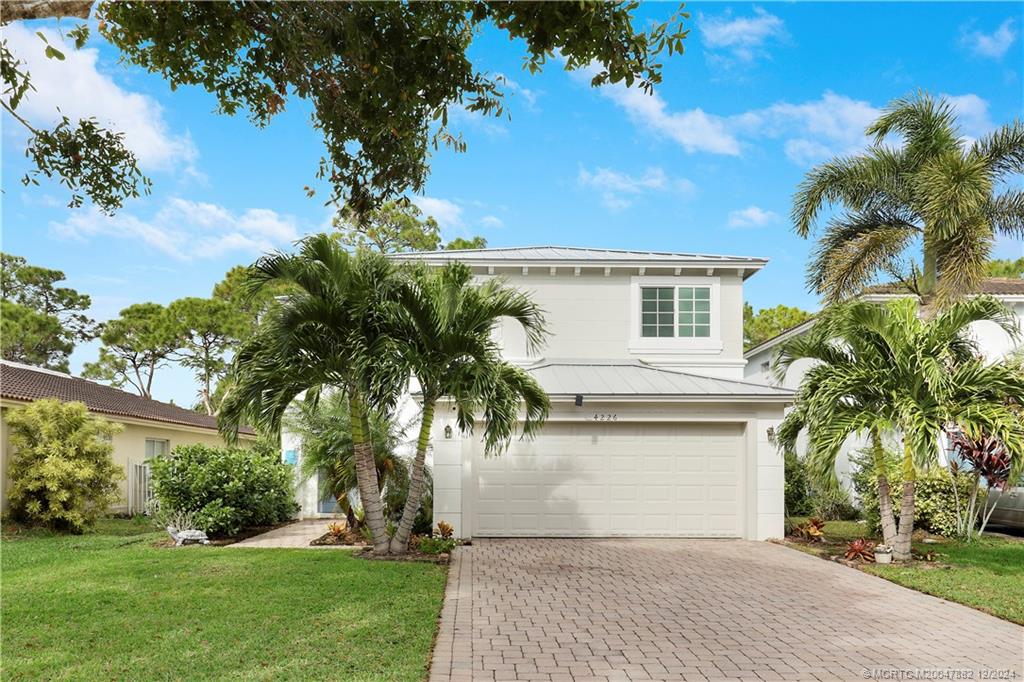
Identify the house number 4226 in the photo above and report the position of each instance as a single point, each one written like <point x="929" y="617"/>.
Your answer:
<point x="598" y="417"/>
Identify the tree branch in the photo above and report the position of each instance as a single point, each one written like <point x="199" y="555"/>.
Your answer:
<point x="16" y="10"/>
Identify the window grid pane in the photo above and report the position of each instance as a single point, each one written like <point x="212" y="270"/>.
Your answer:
<point x="694" y="312"/>
<point x="657" y="318"/>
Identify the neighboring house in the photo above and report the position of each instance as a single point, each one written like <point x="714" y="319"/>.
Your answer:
<point x="992" y="341"/>
<point x="652" y="430"/>
<point x="151" y="428"/>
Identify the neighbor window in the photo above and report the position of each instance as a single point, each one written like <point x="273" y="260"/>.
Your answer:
<point x="156" y="447"/>
<point x="675" y="311"/>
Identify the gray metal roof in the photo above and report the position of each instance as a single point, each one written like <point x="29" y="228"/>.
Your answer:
<point x="624" y="378"/>
<point x="572" y="254"/>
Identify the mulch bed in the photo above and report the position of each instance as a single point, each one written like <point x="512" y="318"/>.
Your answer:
<point x="347" y="538"/>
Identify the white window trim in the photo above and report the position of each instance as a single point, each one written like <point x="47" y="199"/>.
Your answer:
<point x="675" y="344"/>
<point x="158" y="440"/>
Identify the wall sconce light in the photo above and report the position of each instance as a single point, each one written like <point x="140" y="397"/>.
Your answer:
<point x="448" y="431"/>
<point x="579" y="400"/>
<point x="771" y="434"/>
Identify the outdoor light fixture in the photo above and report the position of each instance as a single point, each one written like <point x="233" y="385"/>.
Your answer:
<point x="448" y="431"/>
<point x="579" y="400"/>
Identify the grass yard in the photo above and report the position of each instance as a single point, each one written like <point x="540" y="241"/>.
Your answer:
<point x="988" y="575"/>
<point x="111" y="605"/>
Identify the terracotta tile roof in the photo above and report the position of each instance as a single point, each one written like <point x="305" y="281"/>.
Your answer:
<point x="24" y="382"/>
<point x="993" y="286"/>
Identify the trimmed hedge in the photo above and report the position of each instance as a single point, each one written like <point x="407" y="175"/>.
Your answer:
<point x="228" y="488"/>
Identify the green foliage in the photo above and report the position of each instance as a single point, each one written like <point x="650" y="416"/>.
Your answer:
<point x="61" y="470"/>
<point x="935" y="502"/>
<point x="135" y="345"/>
<point x="436" y="545"/>
<point x="206" y="330"/>
<point x="41" y="320"/>
<point x="462" y="244"/>
<point x="228" y="488"/>
<point x="797" y="486"/>
<point x="379" y="77"/>
<point x="1012" y="269"/>
<point x="833" y="505"/>
<point x="957" y="196"/>
<point x="769" y="322"/>
<point x="392" y="227"/>
<point x="328" y="454"/>
<point x="89" y="160"/>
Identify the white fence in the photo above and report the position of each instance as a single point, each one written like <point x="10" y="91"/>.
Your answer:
<point x="140" y="490"/>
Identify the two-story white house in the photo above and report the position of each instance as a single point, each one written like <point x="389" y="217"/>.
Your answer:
<point x="653" y="431"/>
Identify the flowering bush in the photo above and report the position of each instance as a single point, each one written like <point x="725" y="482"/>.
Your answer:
<point x="228" y="488"/>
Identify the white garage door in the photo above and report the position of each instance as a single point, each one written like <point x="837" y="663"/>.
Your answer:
<point x="616" y="479"/>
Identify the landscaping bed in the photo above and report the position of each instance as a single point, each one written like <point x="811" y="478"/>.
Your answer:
<point x="109" y="605"/>
<point x="987" y="574"/>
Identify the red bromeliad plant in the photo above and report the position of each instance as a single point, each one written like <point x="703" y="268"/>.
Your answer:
<point x="862" y="549"/>
<point x="987" y="458"/>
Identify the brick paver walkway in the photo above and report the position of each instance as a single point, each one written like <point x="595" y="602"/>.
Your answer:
<point x="699" y="610"/>
<point x="294" y="535"/>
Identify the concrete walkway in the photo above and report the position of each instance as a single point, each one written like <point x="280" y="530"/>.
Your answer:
<point x="700" y="610"/>
<point x="294" y="535"/>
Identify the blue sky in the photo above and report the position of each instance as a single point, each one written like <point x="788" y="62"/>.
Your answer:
<point x="762" y="92"/>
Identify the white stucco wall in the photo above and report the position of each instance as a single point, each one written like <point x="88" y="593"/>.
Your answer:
<point x="591" y="315"/>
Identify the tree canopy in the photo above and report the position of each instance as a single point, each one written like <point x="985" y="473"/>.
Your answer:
<point x="41" y="321"/>
<point x="768" y="323"/>
<point x="381" y="77"/>
<point x="395" y="227"/>
<point x="1013" y="269"/>
<point x="135" y="346"/>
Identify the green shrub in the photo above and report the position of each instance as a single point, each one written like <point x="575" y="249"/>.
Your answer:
<point x="834" y="505"/>
<point x="934" y="499"/>
<point x="935" y="502"/>
<point x="437" y="545"/>
<point x="228" y="488"/>
<point x="61" y="470"/>
<point x="797" y="486"/>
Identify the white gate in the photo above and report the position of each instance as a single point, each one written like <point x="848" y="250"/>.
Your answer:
<point x="140" y="490"/>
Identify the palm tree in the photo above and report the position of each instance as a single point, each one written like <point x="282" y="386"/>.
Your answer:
<point x="936" y="188"/>
<point x="448" y="323"/>
<point x="330" y="333"/>
<point x="322" y="423"/>
<point x="883" y="370"/>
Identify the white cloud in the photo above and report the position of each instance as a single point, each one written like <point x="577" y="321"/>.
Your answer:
<point x="972" y="114"/>
<point x="993" y="45"/>
<point x="812" y="130"/>
<point x="492" y="221"/>
<point x="186" y="230"/>
<point x="743" y="38"/>
<point x="448" y="214"/>
<point x="615" y="186"/>
<point x="752" y="216"/>
<point x="80" y="90"/>
<point x="693" y="129"/>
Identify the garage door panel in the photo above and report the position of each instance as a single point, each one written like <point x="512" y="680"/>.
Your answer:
<point x="619" y="479"/>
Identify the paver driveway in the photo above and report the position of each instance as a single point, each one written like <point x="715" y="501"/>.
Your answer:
<point x="699" y="609"/>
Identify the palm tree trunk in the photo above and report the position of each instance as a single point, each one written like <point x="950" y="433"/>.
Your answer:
<point x="930" y="276"/>
<point x="905" y="532"/>
<point x="366" y="474"/>
<point x="400" y="543"/>
<point x="884" y="492"/>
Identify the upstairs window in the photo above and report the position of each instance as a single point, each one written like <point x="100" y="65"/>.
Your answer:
<point x="683" y="312"/>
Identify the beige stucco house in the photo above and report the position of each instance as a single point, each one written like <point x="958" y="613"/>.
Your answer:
<point x="151" y="428"/>
<point x="653" y="431"/>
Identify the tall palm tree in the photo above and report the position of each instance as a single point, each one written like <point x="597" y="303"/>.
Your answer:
<point x="331" y="332"/>
<point x="447" y="333"/>
<point x="935" y="188"/>
<point x="883" y="370"/>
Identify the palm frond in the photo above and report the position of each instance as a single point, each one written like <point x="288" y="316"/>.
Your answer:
<point x="1003" y="148"/>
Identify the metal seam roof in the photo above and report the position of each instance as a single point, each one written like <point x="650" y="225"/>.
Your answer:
<point x="569" y="253"/>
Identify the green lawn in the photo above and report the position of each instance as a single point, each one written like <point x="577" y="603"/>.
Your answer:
<point x="988" y="575"/>
<point x="111" y="605"/>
